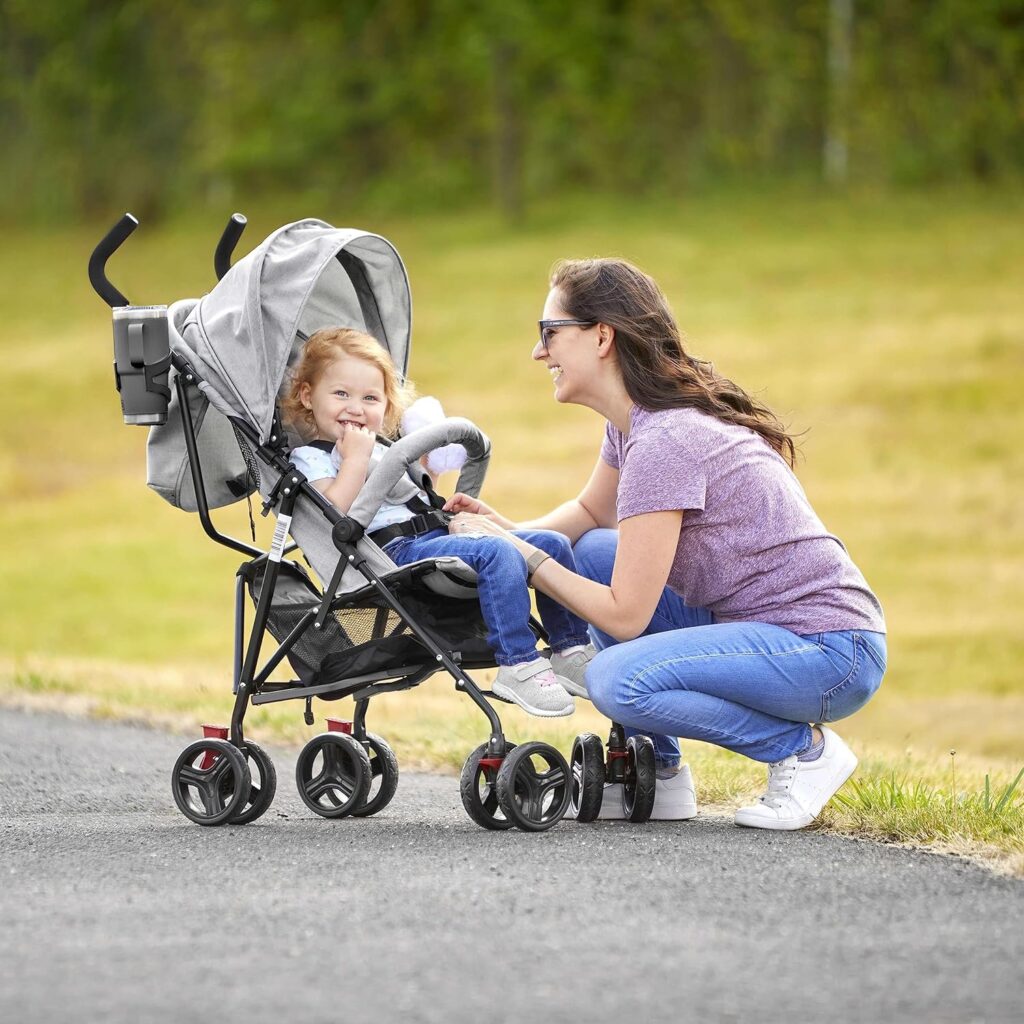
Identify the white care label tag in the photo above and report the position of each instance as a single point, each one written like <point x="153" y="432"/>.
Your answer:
<point x="284" y="524"/>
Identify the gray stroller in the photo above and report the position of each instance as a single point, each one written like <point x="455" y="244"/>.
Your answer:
<point x="205" y="376"/>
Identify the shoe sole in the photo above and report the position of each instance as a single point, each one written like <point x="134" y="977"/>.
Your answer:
<point x="685" y="813"/>
<point x="753" y="821"/>
<point x="499" y="690"/>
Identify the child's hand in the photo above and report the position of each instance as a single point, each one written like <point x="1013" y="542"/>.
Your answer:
<point x="464" y="503"/>
<point x="356" y="442"/>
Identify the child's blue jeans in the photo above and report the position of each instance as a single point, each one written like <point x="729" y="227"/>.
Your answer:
<point x="501" y="587"/>
<point x="745" y="686"/>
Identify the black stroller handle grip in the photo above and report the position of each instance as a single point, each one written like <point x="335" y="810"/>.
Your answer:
<point x="226" y="245"/>
<point x="110" y="243"/>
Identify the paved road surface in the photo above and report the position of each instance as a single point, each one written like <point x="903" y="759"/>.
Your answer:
<point x="114" y="908"/>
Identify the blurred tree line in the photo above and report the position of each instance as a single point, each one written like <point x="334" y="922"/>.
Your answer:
<point x="160" y="104"/>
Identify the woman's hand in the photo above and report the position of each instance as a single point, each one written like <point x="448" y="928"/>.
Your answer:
<point x="356" y="442"/>
<point x="464" y="503"/>
<point x="470" y="523"/>
<point x="460" y="502"/>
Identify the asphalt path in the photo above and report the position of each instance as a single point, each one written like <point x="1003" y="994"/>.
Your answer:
<point x="115" y="908"/>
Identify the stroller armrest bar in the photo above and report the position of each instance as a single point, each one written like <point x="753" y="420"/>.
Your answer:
<point x="404" y="452"/>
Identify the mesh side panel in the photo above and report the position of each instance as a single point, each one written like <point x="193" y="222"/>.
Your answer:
<point x="252" y="470"/>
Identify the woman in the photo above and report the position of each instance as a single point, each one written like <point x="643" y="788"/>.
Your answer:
<point x="723" y="609"/>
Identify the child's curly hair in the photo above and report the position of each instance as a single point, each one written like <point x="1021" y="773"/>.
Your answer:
<point x="322" y="349"/>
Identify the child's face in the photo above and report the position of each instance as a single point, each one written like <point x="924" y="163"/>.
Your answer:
<point x="350" y="390"/>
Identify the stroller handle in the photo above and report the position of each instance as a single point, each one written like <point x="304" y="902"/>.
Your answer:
<point x="109" y="244"/>
<point x="226" y="245"/>
<point x="403" y="453"/>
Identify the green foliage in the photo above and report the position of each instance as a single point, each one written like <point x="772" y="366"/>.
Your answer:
<point x="415" y="105"/>
<point x="901" y="809"/>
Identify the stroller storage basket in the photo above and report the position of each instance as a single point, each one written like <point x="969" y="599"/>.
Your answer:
<point x="363" y="634"/>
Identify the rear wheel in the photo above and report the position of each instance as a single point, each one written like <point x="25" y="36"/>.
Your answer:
<point x="210" y="781"/>
<point x="262" y="788"/>
<point x="586" y="766"/>
<point x="383" y="777"/>
<point x="333" y="774"/>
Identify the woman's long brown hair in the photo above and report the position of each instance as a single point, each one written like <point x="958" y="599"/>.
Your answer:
<point x="656" y="370"/>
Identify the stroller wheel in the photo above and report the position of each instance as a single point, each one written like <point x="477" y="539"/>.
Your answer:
<point x="640" y="780"/>
<point x="587" y="769"/>
<point x="263" y="786"/>
<point x="210" y="781"/>
<point x="383" y="777"/>
<point x="333" y="774"/>
<point x="478" y="788"/>
<point x="533" y="786"/>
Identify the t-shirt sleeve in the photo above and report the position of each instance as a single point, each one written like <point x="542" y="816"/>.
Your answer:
<point x="661" y="472"/>
<point x="312" y="463"/>
<point x="608" y="450"/>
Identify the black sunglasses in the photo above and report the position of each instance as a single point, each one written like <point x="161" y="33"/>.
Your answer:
<point x="548" y="328"/>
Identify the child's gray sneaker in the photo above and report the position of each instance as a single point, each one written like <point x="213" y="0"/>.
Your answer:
<point x="535" y="688"/>
<point x="571" y="667"/>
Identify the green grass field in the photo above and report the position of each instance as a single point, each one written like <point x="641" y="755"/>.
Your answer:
<point x="889" y="329"/>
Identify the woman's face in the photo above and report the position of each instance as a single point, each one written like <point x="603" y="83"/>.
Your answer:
<point x="570" y="352"/>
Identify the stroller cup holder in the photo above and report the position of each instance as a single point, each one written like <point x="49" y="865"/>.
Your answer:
<point x="142" y="359"/>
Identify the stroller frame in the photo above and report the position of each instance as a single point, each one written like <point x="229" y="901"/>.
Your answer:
<point x="212" y="782"/>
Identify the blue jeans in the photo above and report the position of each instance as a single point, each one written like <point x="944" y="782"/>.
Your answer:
<point x="501" y="587"/>
<point x="745" y="686"/>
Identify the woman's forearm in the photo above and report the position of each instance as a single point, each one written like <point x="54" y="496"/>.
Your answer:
<point x="597" y="604"/>
<point x="571" y="519"/>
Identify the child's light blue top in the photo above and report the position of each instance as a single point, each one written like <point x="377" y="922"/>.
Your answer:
<point x="316" y="464"/>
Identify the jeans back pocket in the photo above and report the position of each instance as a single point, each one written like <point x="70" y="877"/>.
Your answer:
<point x="858" y="687"/>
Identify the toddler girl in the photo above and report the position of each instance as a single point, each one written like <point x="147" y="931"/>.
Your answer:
<point x="344" y="391"/>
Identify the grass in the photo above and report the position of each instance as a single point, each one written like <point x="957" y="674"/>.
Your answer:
<point x="888" y="329"/>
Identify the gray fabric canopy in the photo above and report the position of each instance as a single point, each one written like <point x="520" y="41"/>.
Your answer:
<point x="242" y="337"/>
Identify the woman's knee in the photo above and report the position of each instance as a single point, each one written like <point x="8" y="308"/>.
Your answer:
<point x="595" y="554"/>
<point x="606" y="677"/>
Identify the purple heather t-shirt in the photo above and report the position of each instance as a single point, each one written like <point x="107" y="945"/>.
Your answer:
<point x="751" y="548"/>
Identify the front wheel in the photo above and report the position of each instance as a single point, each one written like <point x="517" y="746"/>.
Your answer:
<point x="587" y="767"/>
<point x="478" y="789"/>
<point x="640" y="779"/>
<point x="533" y="786"/>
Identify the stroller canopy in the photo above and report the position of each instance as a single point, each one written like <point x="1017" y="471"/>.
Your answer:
<point x="242" y="337"/>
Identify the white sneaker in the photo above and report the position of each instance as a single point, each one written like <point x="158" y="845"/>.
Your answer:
<point x="798" y="790"/>
<point x="675" y="799"/>
<point x="571" y="667"/>
<point x="535" y="688"/>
